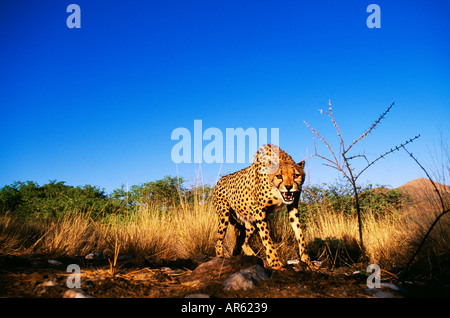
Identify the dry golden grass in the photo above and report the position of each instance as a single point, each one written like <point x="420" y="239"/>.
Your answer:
<point x="385" y="238"/>
<point x="190" y="230"/>
<point x="194" y="230"/>
<point x="145" y="233"/>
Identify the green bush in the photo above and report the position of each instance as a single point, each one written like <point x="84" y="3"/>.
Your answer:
<point x="338" y="198"/>
<point x="28" y="200"/>
<point x="163" y="193"/>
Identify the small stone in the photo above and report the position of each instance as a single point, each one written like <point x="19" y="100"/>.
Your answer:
<point x="49" y="283"/>
<point x="54" y="262"/>
<point x="317" y="264"/>
<point x="246" y="279"/>
<point x="95" y="256"/>
<point x="238" y="282"/>
<point x="76" y="293"/>
<point x="125" y="257"/>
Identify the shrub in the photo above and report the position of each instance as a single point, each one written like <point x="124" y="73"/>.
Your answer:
<point x="28" y="200"/>
<point x="337" y="198"/>
<point x="164" y="193"/>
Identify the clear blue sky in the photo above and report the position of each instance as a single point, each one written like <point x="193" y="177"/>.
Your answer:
<point x="97" y="105"/>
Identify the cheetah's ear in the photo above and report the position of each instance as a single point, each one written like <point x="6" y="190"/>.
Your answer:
<point x="301" y="164"/>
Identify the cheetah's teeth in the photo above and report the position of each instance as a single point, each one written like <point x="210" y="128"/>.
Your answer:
<point x="286" y="197"/>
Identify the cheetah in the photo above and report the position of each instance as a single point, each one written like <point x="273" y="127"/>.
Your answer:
<point x="245" y="198"/>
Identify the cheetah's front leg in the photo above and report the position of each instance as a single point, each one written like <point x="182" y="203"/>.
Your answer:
<point x="294" y="220"/>
<point x="271" y="253"/>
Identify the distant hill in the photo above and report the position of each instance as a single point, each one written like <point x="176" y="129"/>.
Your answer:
<point x="421" y="195"/>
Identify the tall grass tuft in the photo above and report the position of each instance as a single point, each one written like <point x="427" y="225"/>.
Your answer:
<point x="144" y="233"/>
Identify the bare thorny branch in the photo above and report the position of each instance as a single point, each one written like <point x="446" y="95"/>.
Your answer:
<point x="345" y="167"/>
<point x="386" y="153"/>
<point x="375" y="124"/>
<point x="336" y="163"/>
<point x="325" y="142"/>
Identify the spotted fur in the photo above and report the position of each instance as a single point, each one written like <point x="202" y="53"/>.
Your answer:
<point x="245" y="198"/>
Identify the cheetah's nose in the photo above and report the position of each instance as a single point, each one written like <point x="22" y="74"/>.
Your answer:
<point x="288" y="187"/>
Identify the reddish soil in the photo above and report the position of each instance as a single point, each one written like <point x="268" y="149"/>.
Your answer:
<point x="26" y="276"/>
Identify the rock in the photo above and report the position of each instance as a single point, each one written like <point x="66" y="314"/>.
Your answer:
<point x="317" y="264"/>
<point x="238" y="281"/>
<point x="219" y="266"/>
<point x="296" y="262"/>
<point x="125" y="257"/>
<point x="220" y="269"/>
<point x="76" y="293"/>
<point x="54" y="262"/>
<point x="245" y="279"/>
<point x="49" y="283"/>
<point x="95" y="256"/>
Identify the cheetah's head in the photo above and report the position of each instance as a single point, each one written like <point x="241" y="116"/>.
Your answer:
<point x="288" y="180"/>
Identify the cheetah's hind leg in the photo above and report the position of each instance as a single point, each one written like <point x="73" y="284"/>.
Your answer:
<point x="239" y="231"/>
<point x="243" y="233"/>
<point x="224" y="220"/>
<point x="249" y="230"/>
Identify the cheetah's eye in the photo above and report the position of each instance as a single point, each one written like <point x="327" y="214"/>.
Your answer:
<point x="279" y="176"/>
<point x="296" y="176"/>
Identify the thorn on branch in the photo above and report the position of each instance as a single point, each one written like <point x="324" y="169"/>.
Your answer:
<point x="388" y="152"/>
<point x="374" y="125"/>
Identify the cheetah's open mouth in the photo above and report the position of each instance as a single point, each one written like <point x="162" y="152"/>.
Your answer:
<point x="286" y="196"/>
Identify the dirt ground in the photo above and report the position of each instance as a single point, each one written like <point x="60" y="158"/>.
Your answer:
<point x="33" y="276"/>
